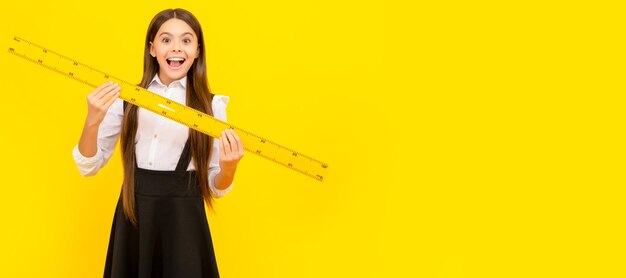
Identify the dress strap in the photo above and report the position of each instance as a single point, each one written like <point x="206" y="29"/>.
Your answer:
<point x="185" y="157"/>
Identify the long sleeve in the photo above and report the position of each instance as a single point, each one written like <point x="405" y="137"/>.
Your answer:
<point x="219" y="112"/>
<point x="108" y="134"/>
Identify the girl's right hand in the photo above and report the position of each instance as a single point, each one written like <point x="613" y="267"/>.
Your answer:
<point x="99" y="101"/>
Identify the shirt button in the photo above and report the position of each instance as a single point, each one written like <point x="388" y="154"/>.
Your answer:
<point x="155" y="136"/>
<point x="150" y="163"/>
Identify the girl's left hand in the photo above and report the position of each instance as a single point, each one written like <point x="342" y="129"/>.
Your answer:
<point x="231" y="150"/>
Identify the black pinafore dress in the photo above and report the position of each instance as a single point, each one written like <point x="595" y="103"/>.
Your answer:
<point x="172" y="238"/>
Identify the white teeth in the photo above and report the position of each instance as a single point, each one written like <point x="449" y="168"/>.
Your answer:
<point x="176" y="59"/>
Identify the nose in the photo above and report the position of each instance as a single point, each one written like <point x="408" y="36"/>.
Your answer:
<point x="176" y="47"/>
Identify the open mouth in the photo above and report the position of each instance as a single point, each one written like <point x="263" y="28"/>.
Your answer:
<point x="175" y="62"/>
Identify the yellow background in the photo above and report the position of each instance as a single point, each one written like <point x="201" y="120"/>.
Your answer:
<point x="464" y="138"/>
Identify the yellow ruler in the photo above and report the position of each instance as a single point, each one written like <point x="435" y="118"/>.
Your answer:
<point x="178" y="112"/>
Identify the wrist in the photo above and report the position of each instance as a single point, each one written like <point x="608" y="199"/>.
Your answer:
<point x="227" y="171"/>
<point x="90" y="123"/>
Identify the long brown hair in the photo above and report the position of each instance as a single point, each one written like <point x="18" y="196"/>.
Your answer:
<point x="199" y="97"/>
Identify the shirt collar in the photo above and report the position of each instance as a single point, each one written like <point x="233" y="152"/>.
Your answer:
<point x="182" y="81"/>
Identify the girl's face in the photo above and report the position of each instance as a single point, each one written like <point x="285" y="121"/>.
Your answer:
<point x="175" y="48"/>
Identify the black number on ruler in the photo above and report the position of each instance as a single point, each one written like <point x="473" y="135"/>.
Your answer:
<point x="195" y="125"/>
<point x="71" y="74"/>
<point x="39" y="61"/>
<point x="133" y="99"/>
<point x="324" y="166"/>
<point x="320" y="177"/>
<point x="199" y="115"/>
<point x="294" y="154"/>
<point x="45" y="51"/>
<point x="11" y="49"/>
<point x="290" y="165"/>
<point x="75" y="63"/>
<point x="169" y="102"/>
<point x="137" y="89"/>
<point x="262" y="140"/>
<point x="164" y="112"/>
<point x="106" y="76"/>
<point x="258" y="151"/>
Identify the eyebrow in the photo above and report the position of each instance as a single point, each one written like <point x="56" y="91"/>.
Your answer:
<point x="168" y="33"/>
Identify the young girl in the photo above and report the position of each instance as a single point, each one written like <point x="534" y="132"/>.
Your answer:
<point x="160" y="227"/>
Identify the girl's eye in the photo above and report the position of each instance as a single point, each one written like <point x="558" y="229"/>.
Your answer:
<point x="166" y="40"/>
<point x="186" y="40"/>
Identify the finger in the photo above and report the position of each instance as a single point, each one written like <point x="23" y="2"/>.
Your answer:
<point x="102" y="86"/>
<point x="96" y="92"/>
<point x="110" y="101"/>
<point x="109" y="93"/>
<point x="234" y="135"/>
<point x="221" y="146"/>
<point x="232" y="141"/>
<point x="113" y="88"/>
<point x="238" y="143"/>
<point x="225" y="144"/>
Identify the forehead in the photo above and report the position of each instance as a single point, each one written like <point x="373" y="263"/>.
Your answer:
<point x="175" y="27"/>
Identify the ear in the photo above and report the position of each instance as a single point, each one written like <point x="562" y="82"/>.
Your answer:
<point x="198" y="52"/>
<point x="152" y="52"/>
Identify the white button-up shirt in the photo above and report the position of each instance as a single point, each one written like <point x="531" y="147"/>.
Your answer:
<point x="159" y="141"/>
